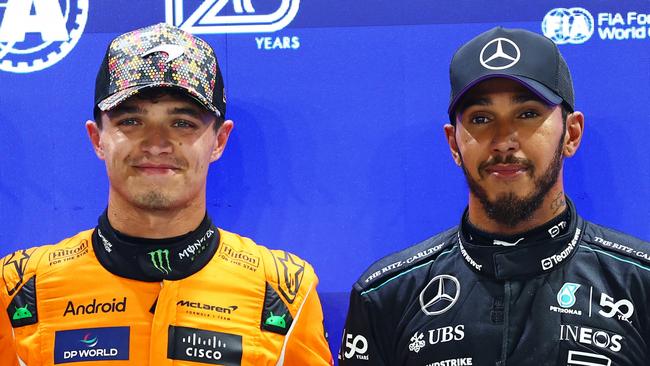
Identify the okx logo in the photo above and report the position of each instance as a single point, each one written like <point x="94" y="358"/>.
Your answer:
<point x="160" y="260"/>
<point x="230" y="16"/>
<point x="36" y="34"/>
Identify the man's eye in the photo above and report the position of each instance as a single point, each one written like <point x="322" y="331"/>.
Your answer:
<point x="529" y="114"/>
<point x="184" y="124"/>
<point x="129" y="122"/>
<point x="480" y="120"/>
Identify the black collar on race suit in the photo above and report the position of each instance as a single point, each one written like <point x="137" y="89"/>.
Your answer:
<point x="528" y="258"/>
<point x="154" y="260"/>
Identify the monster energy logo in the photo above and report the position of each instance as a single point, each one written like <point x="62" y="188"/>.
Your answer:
<point x="160" y="260"/>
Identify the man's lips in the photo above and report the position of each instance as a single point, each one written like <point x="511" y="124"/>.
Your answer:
<point x="506" y="170"/>
<point x="156" y="169"/>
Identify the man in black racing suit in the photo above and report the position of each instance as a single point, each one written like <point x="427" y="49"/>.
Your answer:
<point x="523" y="280"/>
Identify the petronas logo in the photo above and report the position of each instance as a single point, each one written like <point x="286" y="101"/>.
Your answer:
<point x="160" y="260"/>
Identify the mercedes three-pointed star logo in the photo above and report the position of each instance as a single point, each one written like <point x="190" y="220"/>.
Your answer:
<point x="499" y="54"/>
<point x="440" y="294"/>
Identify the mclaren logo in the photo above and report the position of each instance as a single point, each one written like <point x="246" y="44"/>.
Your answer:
<point x="440" y="294"/>
<point x="231" y="16"/>
<point x="500" y="54"/>
<point x="173" y="51"/>
<point x="202" y="306"/>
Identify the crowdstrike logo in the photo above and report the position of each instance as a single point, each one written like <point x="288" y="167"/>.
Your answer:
<point x="231" y="16"/>
<point x="572" y="25"/>
<point x="36" y="34"/>
<point x="439" y="295"/>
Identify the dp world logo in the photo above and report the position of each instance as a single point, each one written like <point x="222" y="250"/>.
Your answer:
<point x="572" y="25"/>
<point x="230" y="16"/>
<point x="36" y="34"/>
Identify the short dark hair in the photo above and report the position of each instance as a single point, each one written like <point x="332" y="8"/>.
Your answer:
<point x="157" y="93"/>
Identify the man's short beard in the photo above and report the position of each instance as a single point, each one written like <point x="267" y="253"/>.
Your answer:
<point x="152" y="200"/>
<point x="510" y="210"/>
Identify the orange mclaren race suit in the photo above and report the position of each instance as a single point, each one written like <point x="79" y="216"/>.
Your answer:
<point x="242" y="304"/>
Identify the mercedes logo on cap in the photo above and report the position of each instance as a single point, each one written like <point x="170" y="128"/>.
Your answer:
<point x="499" y="54"/>
<point x="440" y="294"/>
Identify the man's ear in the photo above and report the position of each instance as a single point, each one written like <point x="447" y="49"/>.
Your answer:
<point x="575" y="127"/>
<point x="222" y="139"/>
<point x="95" y="139"/>
<point x="450" y="134"/>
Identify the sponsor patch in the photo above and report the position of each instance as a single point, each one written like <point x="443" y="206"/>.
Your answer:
<point x="67" y="254"/>
<point x="204" y="346"/>
<point x="91" y="344"/>
<point x="291" y="270"/>
<point x="240" y="258"/>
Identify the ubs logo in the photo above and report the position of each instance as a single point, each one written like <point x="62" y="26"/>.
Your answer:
<point x="440" y="294"/>
<point x="36" y="34"/>
<point x="231" y="16"/>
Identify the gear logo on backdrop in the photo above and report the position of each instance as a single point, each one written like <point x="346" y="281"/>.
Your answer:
<point x="230" y="16"/>
<point x="36" y="34"/>
<point x="568" y="25"/>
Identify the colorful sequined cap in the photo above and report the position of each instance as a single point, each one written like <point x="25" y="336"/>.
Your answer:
<point x="160" y="56"/>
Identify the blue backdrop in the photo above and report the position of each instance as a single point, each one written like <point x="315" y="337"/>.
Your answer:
<point x="338" y="152"/>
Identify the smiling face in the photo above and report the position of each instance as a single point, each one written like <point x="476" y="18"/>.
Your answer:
<point x="510" y="145"/>
<point x="157" y="150"/>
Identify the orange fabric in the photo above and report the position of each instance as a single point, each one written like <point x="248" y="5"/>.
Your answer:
<point x="227" y="296"/>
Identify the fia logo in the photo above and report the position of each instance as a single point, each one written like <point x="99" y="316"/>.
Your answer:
<point x="231" y="16"/>
<point x="36" y="34"/>
<point x="573" y="25"/>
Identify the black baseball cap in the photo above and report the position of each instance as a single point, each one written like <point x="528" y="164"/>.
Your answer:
<point x="529" y="58"/>
<point x="160" y="56"/>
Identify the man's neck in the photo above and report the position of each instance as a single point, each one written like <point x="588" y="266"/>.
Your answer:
<point x="154" y="224"/>
<point x="554" y="204"/>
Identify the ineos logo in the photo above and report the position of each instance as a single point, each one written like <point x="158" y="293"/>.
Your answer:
<point x="499" y="54"/>
<point x="440" y="294"/>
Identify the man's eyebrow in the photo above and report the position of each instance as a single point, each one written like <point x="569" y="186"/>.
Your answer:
<point x="189" y="111"/>
<point x="125" y="109"/>
<point x="472" y="101"/>
<point x="526" y="97"/>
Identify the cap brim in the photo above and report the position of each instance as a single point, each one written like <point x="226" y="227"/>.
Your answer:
<point x="539" y="89"/>
<point x="116" y="99"/>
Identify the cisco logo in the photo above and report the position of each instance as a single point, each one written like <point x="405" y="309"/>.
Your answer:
<point x="37" y="34"/>
<point x="572" y="25"/>
<point x="230" y="16"/>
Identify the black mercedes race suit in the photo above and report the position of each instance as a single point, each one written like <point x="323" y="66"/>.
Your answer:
<point x="578" y="298"/>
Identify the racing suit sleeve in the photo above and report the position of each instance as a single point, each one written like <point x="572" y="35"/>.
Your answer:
<point x="7" y="344"/>
<point x="307" y="344"/>
<point x="360" y="345"/>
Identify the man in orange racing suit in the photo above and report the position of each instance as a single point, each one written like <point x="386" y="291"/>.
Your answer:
<point x="156" y="283"/>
